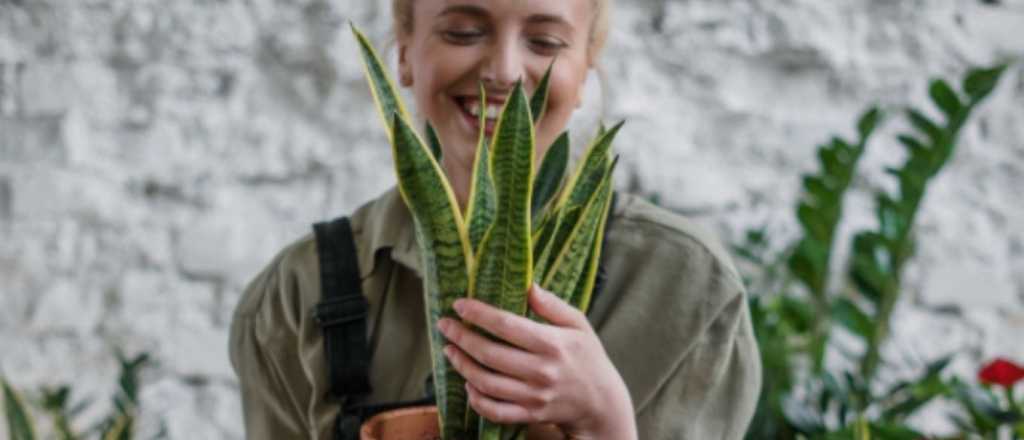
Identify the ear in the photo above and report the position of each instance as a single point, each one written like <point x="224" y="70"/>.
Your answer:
<point x="404" y="66"/>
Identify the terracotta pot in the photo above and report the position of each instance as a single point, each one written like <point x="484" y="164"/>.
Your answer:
<point x="417" y="423"/>
<point x="421" y="423"/>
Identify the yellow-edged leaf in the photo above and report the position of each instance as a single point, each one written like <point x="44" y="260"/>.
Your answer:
<point x="385" y="95"/>
<point x="446" y="257"/>
<point x="482" y="202"/>
<point x="503" y="267"/>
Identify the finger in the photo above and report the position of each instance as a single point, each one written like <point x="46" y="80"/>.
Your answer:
<point x="557" y="312"/>
<point x="514" y="329"/>
<point x="492" y="384"/>
<point x="493" y="354"/>
<point x="496" y="410"/>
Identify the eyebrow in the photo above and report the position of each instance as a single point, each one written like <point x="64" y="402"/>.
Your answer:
<point x="479" y="12"/>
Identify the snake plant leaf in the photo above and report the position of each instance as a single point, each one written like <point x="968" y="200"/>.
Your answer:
<point x="583" y="183"/>
<point x="550" y="176"/>
<point x="482" y="203"/>
<point x="542" y="239"/>
<point x="19" y="423"/>
<point x="434" y="142"/>
<point x="503" y="267"/>
<point x="446" y="255"/>
<point x="585" y="287"/>
<point x="548" y="245"/>
<point x="385" y="95"/>
<point x="539" y="100"/>
<point x="590" y="171"/>
<point x="571" y="262"/>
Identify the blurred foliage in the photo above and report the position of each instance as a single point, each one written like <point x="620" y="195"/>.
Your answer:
<point x="796" y="312"/>
<point x="56" y="404"/>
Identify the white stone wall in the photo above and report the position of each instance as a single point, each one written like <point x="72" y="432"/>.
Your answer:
<point x="155" y="154"/>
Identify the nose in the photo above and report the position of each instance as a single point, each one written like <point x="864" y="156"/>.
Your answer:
<point x="503" y="65"/>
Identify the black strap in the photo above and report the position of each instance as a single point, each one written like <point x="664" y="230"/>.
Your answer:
<point x="342" y="310"/>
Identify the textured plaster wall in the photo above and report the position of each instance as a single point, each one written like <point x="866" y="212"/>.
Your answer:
<point x="155" y="154"/>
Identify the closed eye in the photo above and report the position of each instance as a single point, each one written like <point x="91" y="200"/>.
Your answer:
<point x="547" y="44"/>
<point x="462" y="37"/>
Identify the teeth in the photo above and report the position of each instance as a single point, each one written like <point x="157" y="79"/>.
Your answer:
<point x="493" y="110"/>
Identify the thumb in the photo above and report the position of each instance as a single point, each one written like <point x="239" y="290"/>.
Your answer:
<point x="557" y="312"/>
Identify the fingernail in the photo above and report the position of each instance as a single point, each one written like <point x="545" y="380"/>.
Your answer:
<point x="447" y="350"/>
<point x="443" y="325"/>
<point x="459" y="305"/>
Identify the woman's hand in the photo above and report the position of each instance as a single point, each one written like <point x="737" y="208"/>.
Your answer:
<point x="544" y="373"/>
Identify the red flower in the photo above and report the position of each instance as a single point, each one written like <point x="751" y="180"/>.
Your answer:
<point x="1002" y="372"/>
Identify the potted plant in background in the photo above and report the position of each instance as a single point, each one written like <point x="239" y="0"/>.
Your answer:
<point x="522" y="225"/>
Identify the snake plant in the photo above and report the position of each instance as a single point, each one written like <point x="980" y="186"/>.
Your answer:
<point x="521" y="225"/>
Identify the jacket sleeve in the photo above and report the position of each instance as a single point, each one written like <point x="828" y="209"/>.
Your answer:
<point x="264" y="347"/>
<point x="713" y="391"/>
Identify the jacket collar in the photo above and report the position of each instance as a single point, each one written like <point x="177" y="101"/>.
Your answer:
<point x="387" y="225"/>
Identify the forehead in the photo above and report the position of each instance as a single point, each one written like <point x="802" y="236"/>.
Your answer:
<point x="574" y="12"/>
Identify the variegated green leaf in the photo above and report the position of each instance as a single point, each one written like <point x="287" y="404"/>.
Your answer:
<point x="19" y="422"/>
<point x="545" y="248"/>
<point x="385" y="95"/>
<point x="569" y="265"/>
<point x="585" y="287"/>
<point x="503" y="267"/>
<point x="434" y="142"/>
<point x="539" y="101"/>
<point x="590" y="171"/>
<point x="482" y="203"/>
<point x="446" y="256"/>
<point x="581" y="186"/>
<point x="550" y="175"/>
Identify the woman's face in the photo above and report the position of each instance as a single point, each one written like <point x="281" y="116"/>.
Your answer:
<point x="456" y="44"/>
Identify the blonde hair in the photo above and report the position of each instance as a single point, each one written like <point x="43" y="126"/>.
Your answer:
<point x="402" y="12"/>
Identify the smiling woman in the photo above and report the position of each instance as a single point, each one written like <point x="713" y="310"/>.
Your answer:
<point x="446" y="48"/>
<point x="665" y="352"/>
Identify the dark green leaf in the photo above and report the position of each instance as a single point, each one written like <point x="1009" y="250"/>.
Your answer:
<point x="550" y="175"/>
<point x="915" y="147"/>
<point x="894" y="432"/>
<point x="808" y="264"/>
<point x="945" y="98"/>
<point x="868" y="122"/>
<point x="926" y="126"/>
<point x="814" y="225"/>
<point x="798" y="314"/>
<point x="852" y="317"/>
<point x="980" y="82"/>
<point x="539" y="100"/>
<point x="434" y="142"/>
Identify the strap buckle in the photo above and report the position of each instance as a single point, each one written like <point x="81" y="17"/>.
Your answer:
<point x="340" y="311"/>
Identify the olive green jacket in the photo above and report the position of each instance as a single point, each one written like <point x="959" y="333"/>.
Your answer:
<point x="672" y="316"/>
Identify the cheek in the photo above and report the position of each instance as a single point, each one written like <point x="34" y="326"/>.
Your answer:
<point x="564" y="94"/>
<point x="437" y="74"/>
